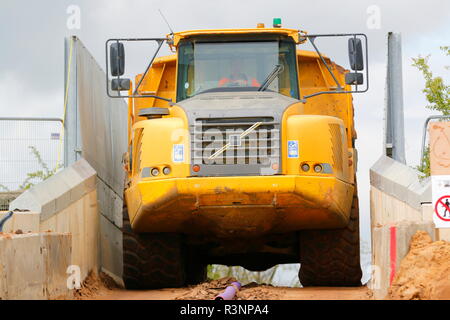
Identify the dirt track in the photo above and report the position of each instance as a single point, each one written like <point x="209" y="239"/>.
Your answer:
<point x="96" y="289"/>
<point x="272" y="293"/>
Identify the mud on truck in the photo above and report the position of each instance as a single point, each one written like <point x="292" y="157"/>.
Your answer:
<point x="241" y="152"/>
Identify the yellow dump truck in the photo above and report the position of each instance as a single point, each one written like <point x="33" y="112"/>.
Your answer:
<point x="241" y="152"/>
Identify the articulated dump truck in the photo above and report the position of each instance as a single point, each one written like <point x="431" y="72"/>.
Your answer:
<point x="242" y="153"/>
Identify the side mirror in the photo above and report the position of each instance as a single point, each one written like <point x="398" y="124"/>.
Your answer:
<point x="358" y="57"/>
<point x="354" y="78"/>
<point x="117" y="59"/>
<point x="355" y="54"/>
<point x="120" y="84"/>
<point x="115" y="69"/>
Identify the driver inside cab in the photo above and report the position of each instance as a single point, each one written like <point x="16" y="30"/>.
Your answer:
<point x="237" y="78"/>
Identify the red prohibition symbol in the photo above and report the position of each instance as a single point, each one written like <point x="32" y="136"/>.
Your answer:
<point x="446" y="207"/>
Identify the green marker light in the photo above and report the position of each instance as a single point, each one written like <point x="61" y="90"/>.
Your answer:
<point x="277" y="22"/>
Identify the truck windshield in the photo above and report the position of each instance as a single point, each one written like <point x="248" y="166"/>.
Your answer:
<point x="237" y="66"/>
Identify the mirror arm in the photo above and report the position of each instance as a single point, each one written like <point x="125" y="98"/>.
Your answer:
<point x="153" y="96"/>
<point x="312" y="39"/>
<point x="366" y="58"/>
<point x="317" y="94"/>
<point x="160" y="43"/>
<point x="117" y="66"/>
<point x="354" y="58"/>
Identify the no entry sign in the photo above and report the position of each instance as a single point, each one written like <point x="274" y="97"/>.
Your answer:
<point x="441" y="200"/>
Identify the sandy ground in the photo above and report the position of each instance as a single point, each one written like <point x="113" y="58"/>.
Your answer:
<point x="208" y="290"/>
<point x="271" y="293"/>
<point x="424" y="273"/>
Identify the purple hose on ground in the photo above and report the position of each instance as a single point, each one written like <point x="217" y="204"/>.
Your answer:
<point x="229" y="292"/>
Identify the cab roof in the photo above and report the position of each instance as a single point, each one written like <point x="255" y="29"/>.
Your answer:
<point x="293" y="33"/>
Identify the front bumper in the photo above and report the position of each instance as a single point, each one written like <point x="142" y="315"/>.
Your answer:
<point x="239" y="206"/>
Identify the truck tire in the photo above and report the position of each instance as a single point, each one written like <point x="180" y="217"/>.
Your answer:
<point x="196" y="272"/>
<point x="331" y="257"/>
<point x="196" y="266"/>
<point x="151" y="261"/>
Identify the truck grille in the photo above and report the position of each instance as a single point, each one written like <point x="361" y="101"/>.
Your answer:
<point x="251" y="141"/>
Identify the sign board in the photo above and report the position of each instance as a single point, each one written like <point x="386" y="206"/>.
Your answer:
<point x="441" y="200"/>
<point x="440" y="148"/>
<point x="292" y="148"/>
<point x="178" y="153"/>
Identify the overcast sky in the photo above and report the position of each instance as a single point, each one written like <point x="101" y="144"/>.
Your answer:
<point x="32" y="55"/>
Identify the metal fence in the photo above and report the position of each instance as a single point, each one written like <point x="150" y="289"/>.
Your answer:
<point x="31" y="149"/>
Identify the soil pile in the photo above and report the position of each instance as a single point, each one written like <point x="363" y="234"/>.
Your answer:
<point x="424" y="273"/>
<point x="95" y="284"/>
<point x="209" y="290"/>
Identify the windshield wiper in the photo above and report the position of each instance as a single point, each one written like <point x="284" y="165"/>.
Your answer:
<point x="272" y="75"/>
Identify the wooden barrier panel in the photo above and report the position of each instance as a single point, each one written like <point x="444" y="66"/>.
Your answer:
<point x="64" y="203"/>
<point x="386" y="209"/>
<point x="33" y="266"/>
<point x="81" y="220"/>
<point x="390" y="244"/>
<point x="439" y="148"/>
<point x="23" y="221"/>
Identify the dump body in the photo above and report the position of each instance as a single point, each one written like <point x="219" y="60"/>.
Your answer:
<point x="236" y="198"/>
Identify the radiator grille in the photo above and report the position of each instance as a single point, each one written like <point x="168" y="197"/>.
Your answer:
<point x="244" y="141"/>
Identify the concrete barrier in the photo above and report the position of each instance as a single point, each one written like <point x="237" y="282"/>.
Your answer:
<point x="55" y="194"/>
<point x="101" y="124"/>
<point x="400" y="205"/>
<point x="33" y="266"/>
<point x="400" y="182"/>
<point x="64" y="203"/>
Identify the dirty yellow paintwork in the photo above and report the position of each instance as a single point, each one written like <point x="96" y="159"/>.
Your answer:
<point x="293" y="33"/>
<point x="257" y="205"/>
<point x="250" y="206"/>
<point x="318" y="136"/>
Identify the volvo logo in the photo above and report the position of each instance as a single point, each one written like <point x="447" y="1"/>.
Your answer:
<point x="234" y="139"/>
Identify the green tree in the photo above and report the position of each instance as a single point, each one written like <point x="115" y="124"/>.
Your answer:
<point x="437" y="94"/>
<point x="40" y="175"/>
<point x="424" y="166"/>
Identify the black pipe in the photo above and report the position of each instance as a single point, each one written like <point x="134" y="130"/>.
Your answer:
<point x="3" y="221"/>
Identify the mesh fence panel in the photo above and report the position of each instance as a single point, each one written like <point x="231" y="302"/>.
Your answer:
<point x="27" y="148"/>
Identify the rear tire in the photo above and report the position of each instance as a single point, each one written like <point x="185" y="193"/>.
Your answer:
<point x="331" y="257"/>
<point x="151" y="261"/>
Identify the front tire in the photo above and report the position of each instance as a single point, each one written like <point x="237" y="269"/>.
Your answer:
<point x="196" y="272"/>
<point x="332" y="257"/>
<point x="151" y="261"/>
